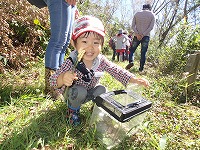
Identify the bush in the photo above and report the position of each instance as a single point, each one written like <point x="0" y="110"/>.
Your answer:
<point x="173" y="58"/>
<point x="21" y="41"/>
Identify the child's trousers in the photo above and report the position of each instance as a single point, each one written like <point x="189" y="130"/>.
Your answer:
<point x="79" y="95"/>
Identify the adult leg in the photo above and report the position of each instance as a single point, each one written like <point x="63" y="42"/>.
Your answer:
<point x="117" y="55"/>
<point x="133" y="48"/>
<point x="60" y="19"/>
<point x="70" y="20"/>
<point x="144" y="47"/>
<point x="123" y="55"/>
<point x="114" y="53"/>
<point x="127" y="53"/>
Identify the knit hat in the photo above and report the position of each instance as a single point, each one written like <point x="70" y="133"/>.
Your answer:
<point x="146" y="6"/>
<point x="85" y="24"/>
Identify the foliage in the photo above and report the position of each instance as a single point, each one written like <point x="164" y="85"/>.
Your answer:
<point x="171" y="14"/>
<point x="31" y="121"/>
<point x="172" y="57"/>
<point x="21" y="40"/>
<point x="171" y="61"/>
<point x="26" y="115"/>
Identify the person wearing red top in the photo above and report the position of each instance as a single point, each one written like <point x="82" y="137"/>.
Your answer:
<point x="121" y="41"/>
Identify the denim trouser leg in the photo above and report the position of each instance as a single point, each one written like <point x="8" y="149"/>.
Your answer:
<point x="61" y="21"/>
<point x="62" y="56"/>
<point x="144" y="47"/>
<point x="133" y="48"/>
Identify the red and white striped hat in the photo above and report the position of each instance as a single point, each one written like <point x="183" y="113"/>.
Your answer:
<point x="85" y="24"/>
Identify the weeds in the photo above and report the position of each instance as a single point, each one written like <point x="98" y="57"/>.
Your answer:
<point x="28" y="120"/>
<point x="31" y="121"/>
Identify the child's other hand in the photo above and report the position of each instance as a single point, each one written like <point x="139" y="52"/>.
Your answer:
<point x="68" y="78"/>
<point x="143" y="81"/>
<point x="140" y="81"/>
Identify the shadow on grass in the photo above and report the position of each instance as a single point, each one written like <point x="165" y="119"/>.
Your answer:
<point x="5" y="93"/>
<point x="8" y="92"/>
<point x="50" y="128"/>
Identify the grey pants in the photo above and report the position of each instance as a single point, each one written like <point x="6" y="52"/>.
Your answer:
<point x="78" y="95"/>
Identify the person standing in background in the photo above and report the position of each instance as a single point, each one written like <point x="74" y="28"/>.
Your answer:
<point x="121" y="41"/>
<point x="126" y="54"/>
<point x="62" y="16"/>
<point x="112" y="46"/>
<point x="130" y="36"/>
<point x="142" y="24"/>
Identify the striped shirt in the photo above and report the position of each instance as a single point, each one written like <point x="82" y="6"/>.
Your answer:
<point x="143" y="22"/>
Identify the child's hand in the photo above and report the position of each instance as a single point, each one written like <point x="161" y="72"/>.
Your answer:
<point x="68" y="78"/>
<point x="143" y="81"/>
<point x="140" y="81"/>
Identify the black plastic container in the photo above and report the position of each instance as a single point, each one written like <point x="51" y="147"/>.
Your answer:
<point x="115" y="105"/>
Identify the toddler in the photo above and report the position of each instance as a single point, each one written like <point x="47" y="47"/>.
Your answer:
<point x="82" y="78"/>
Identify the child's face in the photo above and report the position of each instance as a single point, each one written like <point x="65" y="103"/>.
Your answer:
<point x="91" y="43"/>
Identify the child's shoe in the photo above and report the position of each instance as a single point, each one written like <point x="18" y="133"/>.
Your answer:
<point x="73" y="117"/>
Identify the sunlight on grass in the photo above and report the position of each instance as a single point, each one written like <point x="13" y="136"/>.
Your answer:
<point x="28" y="120"/>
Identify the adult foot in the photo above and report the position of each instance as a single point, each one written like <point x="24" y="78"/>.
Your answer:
<point x="129" y="66"/>
<point x="141" y="69"/>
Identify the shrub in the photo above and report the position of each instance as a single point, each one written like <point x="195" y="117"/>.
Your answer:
<point x="21" y="41"/>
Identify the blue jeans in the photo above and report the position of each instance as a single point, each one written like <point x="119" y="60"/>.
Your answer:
<point x="61" y="21"/>
<point x="144" y="46"/>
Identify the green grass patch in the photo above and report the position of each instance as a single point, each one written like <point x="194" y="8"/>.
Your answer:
<point x="31" y="121"/>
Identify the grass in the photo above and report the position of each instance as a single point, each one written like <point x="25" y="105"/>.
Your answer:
<point x="31" y="121"/>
